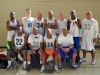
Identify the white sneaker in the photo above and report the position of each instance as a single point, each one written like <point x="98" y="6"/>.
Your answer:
<point x="83" y="60"/>
<point x="56" y="69"/>
<point x="42" y="69"/>
<point x="93" y="62"/>
<point x="74" y="66"/>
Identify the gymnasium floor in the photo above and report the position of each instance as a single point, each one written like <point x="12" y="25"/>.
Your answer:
<point x="85" y="69"/>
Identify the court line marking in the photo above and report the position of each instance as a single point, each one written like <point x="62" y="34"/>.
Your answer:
<point x="19" y="70"/>
<point x="23" y="72"/>
<point x="89" y="54"/>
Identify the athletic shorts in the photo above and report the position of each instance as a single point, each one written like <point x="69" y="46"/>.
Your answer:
<point x="63" y="54"/>
<point x="14" y="54"/>
<point x="37" y="53"/>
<point x="53" y="55"/>
<point x="9" y="45"/>
<point x="87" y="44"/>
<point x="76" y="43"/>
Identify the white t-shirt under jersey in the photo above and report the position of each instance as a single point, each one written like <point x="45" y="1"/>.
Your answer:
<point x="49" y="42"/>
<point x="28" y="24"/>
<point x="73" y="28"/>
<point x="61" y="25"/>
<point x="89" y="29"/>
<point x="49" y="22"/>
<point x="35" y="41"/>
<point x="19" y="41"/>
<point x="12" y="32"/>
<point x="65" y="41"/>
<point x="40" y="26"/>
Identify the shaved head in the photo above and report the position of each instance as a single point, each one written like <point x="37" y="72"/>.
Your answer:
<point x="35" y="28"/>
<point x="89" y="15"/>
<point x="61" y="15"/>
<point x="50" y="11"/>
<point x="50" y="14"/>
<point x="73" y="12"/>
<point x="89" y="12"/>
<point x="48" y="29"/>
<point x="65" y="28"/>
<point x="39" y="14"/>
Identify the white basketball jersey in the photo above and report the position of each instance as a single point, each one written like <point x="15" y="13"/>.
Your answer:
<point x="73" y="28"/>
<point x="49" y="22"/>
<point x="61" y="25"/>
<point x="12" y="32"/>
<point x="49" y="42"/>
<point x="89" y="29"/>
<point x="35" y="41"/>
<point x="19" y="41"/>
<point x="40" y="26"/>
<point x="28" y="24"/>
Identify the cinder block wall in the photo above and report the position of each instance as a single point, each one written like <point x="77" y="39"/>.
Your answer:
<point x="19" y="7"/>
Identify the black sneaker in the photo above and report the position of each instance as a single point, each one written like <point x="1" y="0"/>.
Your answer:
<point x="13" y="63"/>
<point x="28" y="68"/>
<point x="24" y="68"/>
<point x="40" y="66"/>
<point x="59" y="66"/>
<point x="19" y="61"/>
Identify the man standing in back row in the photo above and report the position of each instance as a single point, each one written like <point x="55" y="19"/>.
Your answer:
<point x="51" y="23"/>
<point x="39" y="23"/>
<point x="73" y="25"/>
<point x="27" y="23"/>
<point x="88" y="36"/>
<point x="62" y="23"/>
<point x="12" y="25"/>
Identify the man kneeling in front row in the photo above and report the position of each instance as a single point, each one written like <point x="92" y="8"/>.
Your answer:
<point x="65" y="45"/>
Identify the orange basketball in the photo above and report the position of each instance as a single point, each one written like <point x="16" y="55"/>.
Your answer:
<point x="49" y="50"/>
<point x="1" y="50"/>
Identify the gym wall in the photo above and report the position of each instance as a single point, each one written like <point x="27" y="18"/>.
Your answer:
<point x="57" y="6"/>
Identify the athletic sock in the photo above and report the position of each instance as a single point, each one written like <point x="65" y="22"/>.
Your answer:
<point x="28" y="62"/>
<point x="40" y="62"/>
<point x="24" y="64"/>
<point x="9" y="62"/>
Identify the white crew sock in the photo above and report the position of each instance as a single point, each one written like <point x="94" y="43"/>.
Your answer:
<point x="24" y="64"/>
<point x="9" y="62"/>
<point x="28" y="62"/>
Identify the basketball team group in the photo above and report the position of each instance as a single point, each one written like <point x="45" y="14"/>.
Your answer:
<point x="37" y="36"/>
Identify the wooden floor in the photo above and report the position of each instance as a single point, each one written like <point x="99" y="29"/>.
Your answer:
<point x="85" y="69"/>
